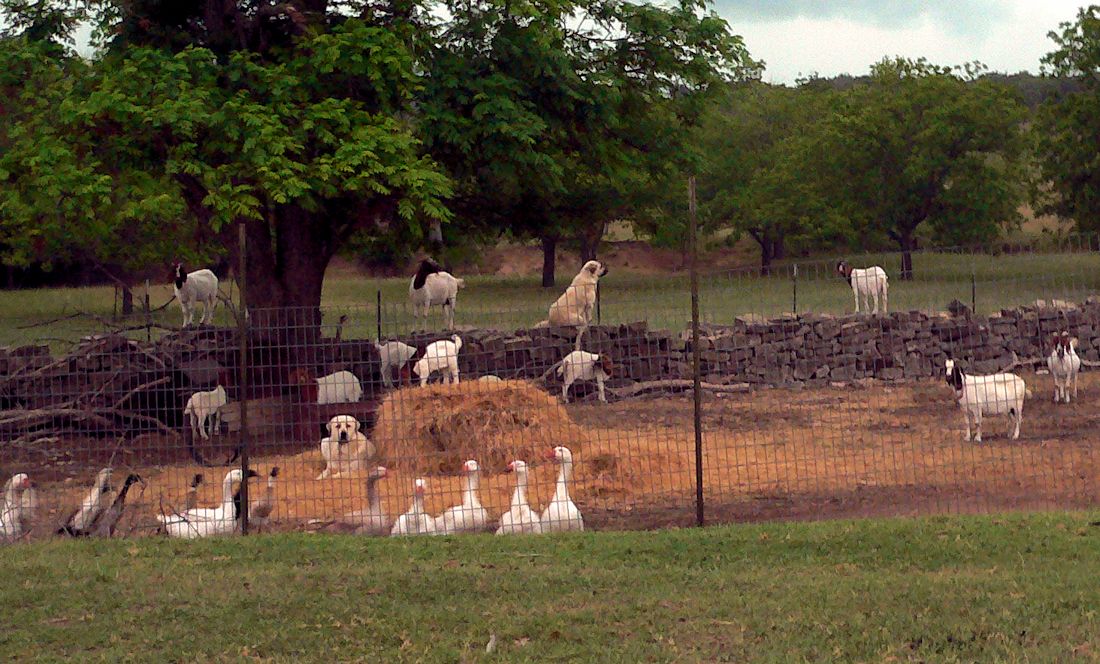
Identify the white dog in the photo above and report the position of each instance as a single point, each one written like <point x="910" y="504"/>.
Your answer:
<point x="440" y="355"/>
<point x="345" y="449"/>
<point x="576" y="304"/>
<point x="582" y="365"/>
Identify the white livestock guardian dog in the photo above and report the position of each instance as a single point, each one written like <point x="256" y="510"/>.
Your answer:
<point x="346" y="449"/>
<point x="576" y="304"/>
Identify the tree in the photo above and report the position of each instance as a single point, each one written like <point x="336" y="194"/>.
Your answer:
<point x="292" y="119"/>
<point x="1068" y="125"/>
<point x="535" y="106"/>
<point x="931" y="146"/>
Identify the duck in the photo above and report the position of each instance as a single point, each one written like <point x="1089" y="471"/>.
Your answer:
<point x="191" y="500"/>
<point x="83" y="520"/>
<point x="561" y="514"/>
<point x="17" y="506"/>
<point x="108" y="521"/>
<point x="208" y="521"/>
<point x="416" y="521"/>
<point x="373" y="520"/>
<point x="469" y="516"/>
<point x="519" y="518"/>
<point x="260" y="511"/>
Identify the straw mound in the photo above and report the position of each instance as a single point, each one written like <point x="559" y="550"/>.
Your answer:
<point x="432" y="430"/>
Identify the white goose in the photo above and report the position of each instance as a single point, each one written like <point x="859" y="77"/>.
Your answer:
<point x="209" y="521"/>
<point x="469" y="516"/>
<point x="519" y="518"/>
<point x="561" y="514"/>
<point x="416" y="521"/>
<point x="83" y="521"/>
<point x="17" y="506"/>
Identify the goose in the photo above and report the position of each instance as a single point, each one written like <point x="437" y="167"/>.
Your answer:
<point x="561" y="514"/>
<point x="416" y="521"/>
<point x="260" y="511"/>
<point x="108" y="521"/>
<point x="207" y="521"/>
<point x="82" y="522"/>
<point x="373" y="520"/>
<point x="191" y="500"/>
<point x="519" y="518"/>
<point x="17" y="506"/>
<point x="470" y="516"/>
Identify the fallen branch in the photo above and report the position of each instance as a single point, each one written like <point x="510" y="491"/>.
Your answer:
<point x="678" y="384"/>
<point x="139" y="388"/>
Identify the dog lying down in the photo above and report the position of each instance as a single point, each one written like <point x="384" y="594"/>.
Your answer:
<point x="346" y="449"/>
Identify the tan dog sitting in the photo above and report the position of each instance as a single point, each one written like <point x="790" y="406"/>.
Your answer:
<point x="345" y="449"/>
<point x="576" y="304"/>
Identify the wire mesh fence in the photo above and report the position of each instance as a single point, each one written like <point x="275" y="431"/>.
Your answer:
<point x="357" y="419"/>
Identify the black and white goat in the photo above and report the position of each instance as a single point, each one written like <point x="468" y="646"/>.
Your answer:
<point x="996" y="394"/>
<point x="1064" y="364"/>
<point x="431" y="286"/>
<point x="870" y="283"/>
<point x="191" y="288"/>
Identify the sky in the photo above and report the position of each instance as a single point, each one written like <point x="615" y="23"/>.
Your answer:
<point x="801" y="37"/>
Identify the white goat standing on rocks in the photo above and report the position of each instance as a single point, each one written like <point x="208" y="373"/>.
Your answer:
<point x="868" y="283"/>
<point x="431" y="285"/>
<point x="192" y="288"/>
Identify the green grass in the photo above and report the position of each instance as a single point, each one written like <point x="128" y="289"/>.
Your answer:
<point x="508" y="303"/>
<point x="1014" y="588"/>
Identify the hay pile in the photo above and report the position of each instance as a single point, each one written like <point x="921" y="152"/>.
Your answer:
<point x="432" y="430"/>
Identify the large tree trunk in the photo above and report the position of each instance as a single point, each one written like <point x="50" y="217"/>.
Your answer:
<point x="590" y="238"/>
<point x="908" y="244"/>
<point x="771" y="249"/>
<point x="127" y="301"/>
<point x="549" y="260"/>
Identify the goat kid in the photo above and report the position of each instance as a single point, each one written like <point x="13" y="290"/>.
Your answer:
<point x="439" y="355"/>
<point x="869" y="283"/>
<point x="433" y="286"/>
<point x="582" y="365"/>
<point x="1064" y="365"/>
<point x="203" y="406"/>
<point x="996" y="394"/>
<point x="191" y="289"/>
<point x="391" y="355"/>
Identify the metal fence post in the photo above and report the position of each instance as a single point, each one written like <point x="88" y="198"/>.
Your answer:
<point x="973" y="293"/>
<point x="242" y="375"/>
<point x="697" y="388"/>
<point x="148" y="315"/>
<point x="597" y="303"/>
<point x="378" y="314"/>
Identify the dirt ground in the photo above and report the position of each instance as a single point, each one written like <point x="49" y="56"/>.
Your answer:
<point x="773" y="454"/>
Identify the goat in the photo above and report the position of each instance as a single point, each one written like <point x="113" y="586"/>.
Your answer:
<point x="439" y="355"/>
<point x="203" y="406"/>
<point x="582" y="365"/>
<point x="391" y="355"/>
<point x="996" y="394"/>
<point x="430" y="286"/>
<point x="192" y="288"/>
<point x="1064" y="364"/>
<point x="868" y="283"/>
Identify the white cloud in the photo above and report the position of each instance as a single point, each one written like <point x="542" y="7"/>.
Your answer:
<point x="798" y="37"/>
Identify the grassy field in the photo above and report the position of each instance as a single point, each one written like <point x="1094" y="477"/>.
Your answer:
<point x="1012" y="588"/>
<point x="998" y="282"/>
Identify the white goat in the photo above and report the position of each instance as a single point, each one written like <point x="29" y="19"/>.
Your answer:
<point x="996" y="394"/>
<point x="339" y="387"/>
<point x="440" y="355"/>
<point x="582" y="365"/>
<point x="203" y="406"/>
<point x="431" y="286"/>
<point x="1064" y="365"/>
<point x="192" y="288"/>
<point x="868" y="283"/>
<point x="393" y="354"/>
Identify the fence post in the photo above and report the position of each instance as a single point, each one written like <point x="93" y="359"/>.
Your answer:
<point x="973" y="294"/>
<point x="697" y="388"/>
<point x="242" y="375"/>
<point x="597" y="303"/>
<point x="148" y="316"/>
<point x="794" y="289"/>
<point x="378" y="311"/>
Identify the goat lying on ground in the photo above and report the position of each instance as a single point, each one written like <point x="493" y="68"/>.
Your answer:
<point x="868" y="283"/>
<point x="193" y="288"/>
<point x="996" y="394"/>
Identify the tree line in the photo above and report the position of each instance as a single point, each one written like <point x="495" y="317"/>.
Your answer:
<point x="382" y="126"/>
